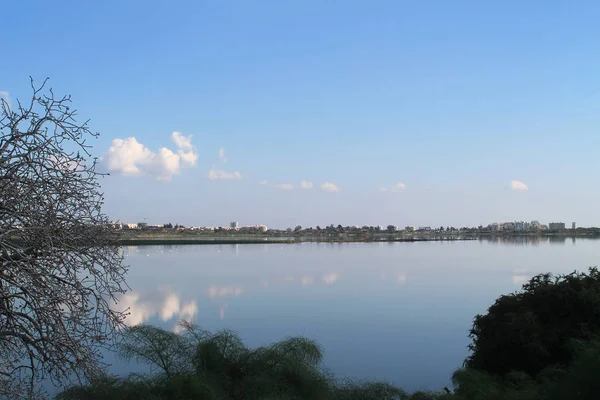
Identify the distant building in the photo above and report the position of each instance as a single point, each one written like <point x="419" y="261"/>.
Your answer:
<point x="410" y="229"/>
<point x="253" y="228"/>
<point x="508" y="226"/>
<point x="142" y="225"/>
<point x="494" y="226"/>
<point x="555" y="226"/>
<point x="234" y="225"/>
<point x="573" y="226"/>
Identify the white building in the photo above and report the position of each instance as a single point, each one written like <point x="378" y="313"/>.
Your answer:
<point x="234" y="225"/>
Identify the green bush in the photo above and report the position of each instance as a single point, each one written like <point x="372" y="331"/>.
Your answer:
<point x="529" y="330"/>
<point x="195" y="364"/>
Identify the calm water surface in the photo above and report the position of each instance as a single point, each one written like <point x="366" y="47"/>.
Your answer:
<point x="388" y="311"/>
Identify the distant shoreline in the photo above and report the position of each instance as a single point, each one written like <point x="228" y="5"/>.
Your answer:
<point x="183" y="239"/>
<point x="198" y="241"/>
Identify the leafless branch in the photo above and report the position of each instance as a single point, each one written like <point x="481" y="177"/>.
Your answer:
<point x="60" y="268"/>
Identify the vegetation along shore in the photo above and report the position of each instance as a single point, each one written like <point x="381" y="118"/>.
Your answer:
<point x="522" y="348"/>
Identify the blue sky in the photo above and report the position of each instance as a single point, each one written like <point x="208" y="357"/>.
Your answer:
<point x="454" y="100"/>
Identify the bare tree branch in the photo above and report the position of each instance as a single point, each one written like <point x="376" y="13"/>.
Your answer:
<point x="60" y="267"/>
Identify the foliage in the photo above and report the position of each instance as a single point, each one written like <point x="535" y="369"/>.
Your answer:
<point x="529" y="330"/>
<point x="59" y="268"/>
<point x="578" y="381"/>
<point x="195" y="364"/>
<point x="225" y="369"/>
<point x="581" y="379"/>
<point x="368" y="391"/>
<point x="164" y="350"/>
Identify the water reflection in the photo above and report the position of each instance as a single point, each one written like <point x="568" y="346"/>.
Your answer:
<point x="331" y="278"/>
<point x="520" y="279"/>
<point x="306" y="280"/>
<point x="401" y="277"/>
<point x="224" y="291"/>
<point x="558" y="239"/>
<point x="528" y="240"/>
<point x="167" y="305"/>
<point x="162" y="302"/>
<point x="351" y="295"/>
<point x="220" y="295"/>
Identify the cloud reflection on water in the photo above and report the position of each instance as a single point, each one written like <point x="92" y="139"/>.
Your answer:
<point x="331" y="278"/>
<point x="520" y="279"/>
<point x="401" y="277"/>
<point x="307" y="280"/>
<point x="224" y="291"/>
<point x="162" y="302"/>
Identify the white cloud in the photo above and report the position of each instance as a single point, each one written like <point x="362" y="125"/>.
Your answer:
<point x="129" y="157"/>
<point x="306" y="185"/>
<point x="330" y="187"/>
<point x="4" y="95"/>
<point x="284" y="186"/>
<point x="164" y="164"/>
<point x="289" y="186"/>
<point x="516" y="185"/>
<point x="264" y="182"/>
<point x="189" y="158"/>
<point x="222" y="157"/>
<point x="181" y="141"/>
<point x="397" y="188"/>
<point x="215" y="174"/>
<point x="185" y="148"/>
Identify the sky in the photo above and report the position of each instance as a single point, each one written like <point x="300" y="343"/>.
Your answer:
<point x="309" y="113"/>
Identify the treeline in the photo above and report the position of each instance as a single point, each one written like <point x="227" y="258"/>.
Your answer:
<point x="541" y="343"/>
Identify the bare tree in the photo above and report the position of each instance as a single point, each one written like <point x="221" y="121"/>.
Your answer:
<point x="60" y="267"/>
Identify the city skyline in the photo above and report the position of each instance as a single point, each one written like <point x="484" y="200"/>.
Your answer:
<point x="452" y="114"/>
<point x="235" y="225"/>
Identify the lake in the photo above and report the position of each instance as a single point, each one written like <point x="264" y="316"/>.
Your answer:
<point x="388" y="311"/>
